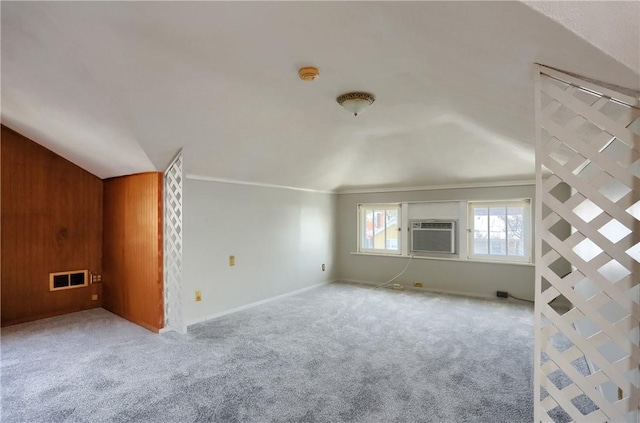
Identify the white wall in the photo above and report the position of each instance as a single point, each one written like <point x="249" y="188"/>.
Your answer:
<point x="470" y="277"/>
<point x="280" y="239"/>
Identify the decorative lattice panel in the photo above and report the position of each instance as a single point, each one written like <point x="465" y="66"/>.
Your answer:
<point x="173" y="246"/>
<point x="588" y="251"/>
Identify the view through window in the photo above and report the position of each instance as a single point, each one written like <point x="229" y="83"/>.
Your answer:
<point x="379" y="228"/>
<point x="500" y="230"/>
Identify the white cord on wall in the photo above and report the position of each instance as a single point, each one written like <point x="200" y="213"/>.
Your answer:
<point x="397" y="276"/>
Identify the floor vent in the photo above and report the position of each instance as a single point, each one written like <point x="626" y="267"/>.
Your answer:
<point x="67" y="280"/>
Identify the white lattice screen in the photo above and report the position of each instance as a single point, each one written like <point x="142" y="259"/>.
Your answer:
<point x="173" y="246"/>
<point x="588" y="251"/>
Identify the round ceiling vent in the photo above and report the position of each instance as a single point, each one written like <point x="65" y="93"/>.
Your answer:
<point x="308" y="74"/>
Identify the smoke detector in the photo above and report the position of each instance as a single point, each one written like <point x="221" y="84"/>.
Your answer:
<point x="308" y="73"/>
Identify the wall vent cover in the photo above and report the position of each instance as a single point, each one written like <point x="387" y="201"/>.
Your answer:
<point x="69" y="279"/>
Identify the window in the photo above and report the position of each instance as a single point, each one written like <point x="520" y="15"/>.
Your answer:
<point x="379" y="228"/>
<point x="500" y="230"/>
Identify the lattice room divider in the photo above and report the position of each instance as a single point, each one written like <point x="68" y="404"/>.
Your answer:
<point x="173" y="178"/>
<point x="587" y="310"/>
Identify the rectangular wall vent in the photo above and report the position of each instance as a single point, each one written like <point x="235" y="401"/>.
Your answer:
<point x="433" y="236"/>
<point x="66" y="280"/>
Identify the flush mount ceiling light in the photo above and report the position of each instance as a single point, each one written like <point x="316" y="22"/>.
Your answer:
<point x="355" y="102"/>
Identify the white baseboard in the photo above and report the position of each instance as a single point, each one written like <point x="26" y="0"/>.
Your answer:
<point x="426" y="289"/>
<point x="257" y="303"/>
<point x="172" y="329"/>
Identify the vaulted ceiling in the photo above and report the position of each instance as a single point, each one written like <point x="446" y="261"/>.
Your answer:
<point x="120" y="87"/>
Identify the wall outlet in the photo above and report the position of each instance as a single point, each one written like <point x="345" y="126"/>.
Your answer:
<point x="502" y="294"/>
<point x="418" y="284"/>
<point x="198" y="296"/>
<point x="397" y="287"/>
<point x="232" y="260"/>
<point x="323" y="267"/>
<point x="94" y="297"/>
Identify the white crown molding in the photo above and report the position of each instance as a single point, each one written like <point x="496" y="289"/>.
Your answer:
<point x="366" y="190"/>
<point x="438" y="187"/>
<point x="255" y="184"/>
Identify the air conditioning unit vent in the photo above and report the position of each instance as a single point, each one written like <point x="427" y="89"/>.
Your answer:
<point x="433" y="236"/>
<point x="433" y="225"/>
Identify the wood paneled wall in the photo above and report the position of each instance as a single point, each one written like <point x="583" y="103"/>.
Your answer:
<point x="132" y="276"/>
<point x="57" y="217"/>
<point x="51" y="217"/>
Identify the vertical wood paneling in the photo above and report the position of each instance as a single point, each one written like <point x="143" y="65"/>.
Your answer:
<point x="132" y="274"/>
<point x="51" y="221"/>
<point x="113" y="246"/>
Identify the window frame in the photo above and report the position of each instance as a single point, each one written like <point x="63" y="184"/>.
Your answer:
<point x="361" y="208"/>
<point x="525" y="203"/>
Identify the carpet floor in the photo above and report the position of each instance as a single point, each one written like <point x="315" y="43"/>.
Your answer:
<point x="338" y="353"/>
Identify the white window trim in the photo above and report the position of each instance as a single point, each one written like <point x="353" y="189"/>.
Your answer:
<point x="528" y="245"/>
<point x="400" y="222"/>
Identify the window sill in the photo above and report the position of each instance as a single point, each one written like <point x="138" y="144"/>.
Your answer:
<point x="461" y="260"/>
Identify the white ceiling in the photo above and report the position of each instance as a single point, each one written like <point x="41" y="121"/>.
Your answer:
<point x="120" y="87"/>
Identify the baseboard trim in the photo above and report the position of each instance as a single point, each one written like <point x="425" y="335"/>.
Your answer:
<point x="29" y="319"/>
<point x="147" y="326"/>
<point x="257" y="303"/>
<point x="172" y="329"/>
<point x="426" y="289"/>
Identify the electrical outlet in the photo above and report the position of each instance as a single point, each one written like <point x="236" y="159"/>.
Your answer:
<point x="94" y="297"/>
<point x="397" y="287"/>
<point x="232" y="260"/>
<point x="323" y="267"/>
<point x="198" y="296"/>
<point x="418" y="284"/>
<point x="502" y="294"/>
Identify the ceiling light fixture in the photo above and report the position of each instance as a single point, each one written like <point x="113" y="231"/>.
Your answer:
<point x="308" y="73"/>
<point x="355" y="102"/>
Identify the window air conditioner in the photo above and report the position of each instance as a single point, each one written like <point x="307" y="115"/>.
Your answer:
<point x="433" y="236"/>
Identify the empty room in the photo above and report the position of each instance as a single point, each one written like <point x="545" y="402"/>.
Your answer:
<point x="320" y="211"/>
